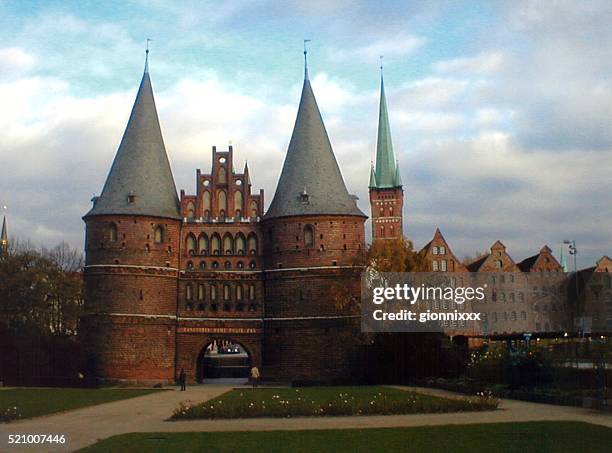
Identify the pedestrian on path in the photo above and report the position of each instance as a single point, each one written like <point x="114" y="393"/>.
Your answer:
<point x="254" y="376"/>
<point x="183" y="379"/>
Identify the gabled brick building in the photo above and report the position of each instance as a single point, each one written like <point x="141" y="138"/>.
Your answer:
<point x="168" y="278"/>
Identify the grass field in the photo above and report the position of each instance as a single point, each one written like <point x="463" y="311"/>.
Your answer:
<point x="533" y="437"/>
<point x="32" y="402"/>
<point x="324" y="401"/>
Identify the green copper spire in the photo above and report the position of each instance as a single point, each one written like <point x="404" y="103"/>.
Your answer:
<point x="385" y="157"/>
<point x="397" y="181"/>
<point x="372" y="176"/>
<point x="563" y="261"/>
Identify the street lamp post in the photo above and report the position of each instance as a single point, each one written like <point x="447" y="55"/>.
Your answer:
<point x="574" y="251"/>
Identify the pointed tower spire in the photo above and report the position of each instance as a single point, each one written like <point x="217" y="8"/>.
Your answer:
<point x="246" y="172"/>
<point x="4" y="236"/>
<point x="385" y="157"/>
<point x="372" y="176"/>
<point x="397" y="180"/>
<point x="140" y="181"/>
<point x="310" y="182"/>
<point x="563" y="261"/>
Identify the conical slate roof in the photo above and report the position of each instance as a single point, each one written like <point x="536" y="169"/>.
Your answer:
<point x="310" y="182"/>
<point x="140" y="181"/>
<point x="386" y="170"/>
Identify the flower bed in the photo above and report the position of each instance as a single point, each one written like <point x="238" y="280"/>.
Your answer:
<point x="327" y="401"/>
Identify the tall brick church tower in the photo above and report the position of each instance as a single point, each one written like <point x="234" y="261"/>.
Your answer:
<point x="131" y="244"/>
<point x="313" y="231"/>
<point x="386" y="192"/>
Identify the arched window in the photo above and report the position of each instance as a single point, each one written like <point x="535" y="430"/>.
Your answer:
<point x="238" y="201"/>
<point x="252" y="264"/>
<point x="202" y="265"/>
<point x="382" y="231"/>
<point x="308" y="236"/>
<point x="190" y="244"/>
<point x="227" y="293"/>
<point x="190" y="210"/>
<point x="222" y="205"/>
<point x="206" y="201"/>
<point x="239" y="292"/>
<point x="189" y="265"/>
<point x="213" y="292"/>
<point x="203" y="244"/>
<point x="228" y="244"/>
<point x="252" y="244"/>
<point x="222" y="178"/>
<point x="254" y="210"/>
<point x="216" y="244"/>
<point x="240" y="244"/>
<point x="201" y="294"/>
<point x="189" y="292"/>
<point x="158" y="234"/>
<point x="252" y="292"/>
<point x="228" y="265"/>
<point x="499" y="264"/>
<point x="112" y="232"/>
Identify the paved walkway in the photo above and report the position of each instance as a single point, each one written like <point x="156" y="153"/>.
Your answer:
<point x="148" y="413"/>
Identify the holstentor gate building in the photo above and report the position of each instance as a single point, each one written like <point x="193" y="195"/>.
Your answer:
<point x="167" y="275"/>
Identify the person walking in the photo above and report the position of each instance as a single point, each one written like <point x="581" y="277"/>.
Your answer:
<point x="183" y="379"/>
<point x="254" y="376"/>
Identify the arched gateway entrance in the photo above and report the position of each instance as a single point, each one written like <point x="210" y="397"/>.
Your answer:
<point x="223" y="359"/>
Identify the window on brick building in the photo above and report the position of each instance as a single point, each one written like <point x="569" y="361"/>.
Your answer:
<point x="252" y="242"/>
<point x="434" y="265"/>
<point x="513" y="316"/>
<point x="240" y="307"/>
<point x="434" y="250"/>
<point x="201" y="307"/>
<point x="442" y="250"/>
<point x="190" y="244"/>
<point x="158" y="234"/>
<point x="213" y="292"/>
<point x="112" y="232"/>
<point x="222" y="176"/>
<point x="189" y="265"/>
<point x="524" y="315"/>
<point x="228" y="265"/>
<point x="215" y="244"/>
<point x="238" y="202"/>
<point x="240" y="244"/>
<point x="254" y="209"/>
<point x="252" y="264"/>
<point x="189" y="292"/>
<point x="222" y="203"/>
<point x="228" y="244"/>
<point x="206" y="205"/>
<point x="252" y="292"/>
<point x="227" y="307"/>
<point x="202" y="265"/>
<point x="201" y="292"/>
<point x="239" y="292"/>
<point x="443" y="265"/>
<point x="240" y="265"/>
<point x="499" y="264"/>
<point x="203" y="244"/>
<point x="190" y="210"/>
<point x="227" y="293"/>
<point x="308" y="236"/>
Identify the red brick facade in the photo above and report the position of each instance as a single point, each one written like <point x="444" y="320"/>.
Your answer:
<point x="386" y="207"/>
<point x="159" y="291"/>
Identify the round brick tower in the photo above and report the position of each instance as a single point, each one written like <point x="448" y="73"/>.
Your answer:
<point x="313" y="235"/>
<point x="131" y="245"/>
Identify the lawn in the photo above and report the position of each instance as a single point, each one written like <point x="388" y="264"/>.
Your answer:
<point x="323" y="401"/>
<point x="32" y="402"/>
<point x="536" y="437"/>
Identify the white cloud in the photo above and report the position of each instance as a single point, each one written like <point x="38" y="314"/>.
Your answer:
<point x="481" y="64"/>
<point x="15" y="61"/>
<point x="392" y="47"/>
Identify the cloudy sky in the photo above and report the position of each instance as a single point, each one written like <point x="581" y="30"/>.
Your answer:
<point x="501" y="112"/>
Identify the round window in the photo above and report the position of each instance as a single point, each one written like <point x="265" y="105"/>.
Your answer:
<point x="207" y="183"/>
<point x="238" y="182"/>
<point x="222" y="160"/>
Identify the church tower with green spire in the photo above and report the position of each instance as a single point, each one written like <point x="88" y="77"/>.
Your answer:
<point x="386" y="192"/>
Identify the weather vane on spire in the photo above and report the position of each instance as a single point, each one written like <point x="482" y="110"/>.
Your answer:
<point x="381" y="63"/>
<point x="306" y="59"/>
<point x="147" y="55"/>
